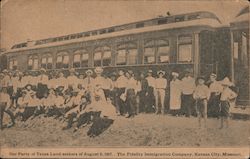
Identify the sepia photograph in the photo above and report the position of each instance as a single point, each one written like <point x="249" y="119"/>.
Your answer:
<point x="151" y="76"/>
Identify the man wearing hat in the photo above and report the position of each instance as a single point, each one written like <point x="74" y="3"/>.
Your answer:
<point x="42" y="85"/>
<point x="72" y="79"/>
<point x="88" y="80"/>
<point x="160" y="86"/>
<point x="175" y="94"/>
<point x="187" y="101"/>
<point x="214" y="101"/>
<point x="201" y="95"/>
<point x="227" y="95"/>
<point x="151" y="90"/>
<point x="100" y="81"/>
<point x="121" y="83"/>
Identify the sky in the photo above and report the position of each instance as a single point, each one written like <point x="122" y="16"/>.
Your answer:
<point x="39" y="19"/>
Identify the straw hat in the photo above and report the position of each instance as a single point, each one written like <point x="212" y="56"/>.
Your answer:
<point x="150" y="71"/>
<point x="161" y="72"/>
<point x="42" y="70"/>
<point x="175" y="74"/>
<point x="213" y="75"/>
<point x="89" y="72"/>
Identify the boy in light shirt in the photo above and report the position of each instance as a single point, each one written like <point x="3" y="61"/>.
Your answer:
<point x="227" y="95"/>
<point x="201" y="96"/>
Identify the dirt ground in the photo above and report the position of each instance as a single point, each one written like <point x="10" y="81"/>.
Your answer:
<point x="142" y="130"/>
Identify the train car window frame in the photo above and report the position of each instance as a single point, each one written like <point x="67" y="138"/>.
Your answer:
<point x="185" y="40"/>
<point x="149" y="44"/>
<point x="33" y="62"/>
<point x="48" y="63"/>
<point x="165" y="55"/>
<point x="103" y="59"/>
<point x="13" y="63"/>
<point x="124" y="48"/>
<point x="64" y="62"/>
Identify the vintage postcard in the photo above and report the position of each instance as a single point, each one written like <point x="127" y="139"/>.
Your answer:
<point x="100" y="79"/>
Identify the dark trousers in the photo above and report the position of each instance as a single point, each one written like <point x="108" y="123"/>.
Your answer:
<point x="150" y="100"/>
<point x="131" y="102"/>
<point x="41" y="90"/>
<point x="214" y="105"/>
<point x="120" y="104"/>
<point x="187" y="105"/>
<point x="113" y="96"/>
<point x="2" y="111"/>
<point x="28" y="112"/>
<point x="106" y="93"/>
<point x="142" y="101"/>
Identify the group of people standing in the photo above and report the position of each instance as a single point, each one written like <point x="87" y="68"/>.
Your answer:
<point x="82" y="97"/>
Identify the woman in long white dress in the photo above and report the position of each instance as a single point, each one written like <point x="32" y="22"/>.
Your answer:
<point x="175" y="94"/>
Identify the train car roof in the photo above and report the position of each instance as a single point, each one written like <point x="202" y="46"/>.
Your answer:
<point x="201" y="18"/>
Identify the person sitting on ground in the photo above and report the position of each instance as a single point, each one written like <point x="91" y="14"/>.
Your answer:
<point x="5" y="104"/>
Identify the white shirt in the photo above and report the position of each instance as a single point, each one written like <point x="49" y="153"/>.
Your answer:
<point x="188" y="85"/>
<point x="201" y="92"/>
<point x="44" y="79"/>
<point x="121" y="82"/>
<point x="5" y="98"/>
<point x="151" y="81"/>
<point x="227" y="94"/>
<point x="99" y="80"/>
<point x="215" y="87"/>
<point x="161" y="83"/>
<point x="72" y="81"/>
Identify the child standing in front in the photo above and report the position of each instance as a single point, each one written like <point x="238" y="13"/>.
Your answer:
<point x="227" y="95"/>
<point x="201" y="96"/>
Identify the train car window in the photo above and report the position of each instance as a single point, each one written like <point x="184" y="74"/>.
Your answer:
<point x="163" y="54"/>
<point x="77" y="61"/>
<point x="162" y="21"/>
<point x="30" y="63"/>
<point x="132" y="56"/>
<point x="86" y="34"/>
<point x="49" y="62"/>
<point x="97" y="58"/>
<point x="193" y="16"/>
<point x="59" y="60"/>
<point x="106" y="61"/>
<point x="149" y="52"/>
<point x="111" y="30"/>
<point x="44" y="62"/>
<point x="102" y="31"/>
<point x="66" y="61"/>
<point x="149" y="55"/>
<point x="185" y="53"/>
<point x="139" y="25"/>
<point x="94" y="33"/>
<point x="179" y="18"/>
<point x="35" y="64"/>
<point x="79" y="35"/>
<point x="13" y="64"/>
<point x="85" y="59"/>
<point x="121" y="57"/>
